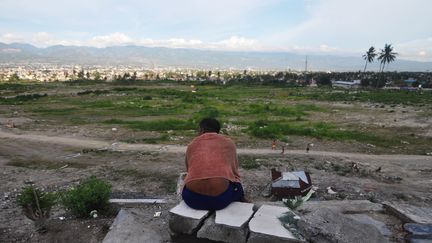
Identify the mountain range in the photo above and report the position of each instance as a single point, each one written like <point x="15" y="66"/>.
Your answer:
<point x="151" y="57"/>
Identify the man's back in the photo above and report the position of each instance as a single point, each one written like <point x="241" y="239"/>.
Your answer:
<point x="213" y="181"/>
<point x="212" y="155"/>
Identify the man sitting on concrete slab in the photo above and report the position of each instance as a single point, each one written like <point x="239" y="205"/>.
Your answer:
<point x="213" y="180"/>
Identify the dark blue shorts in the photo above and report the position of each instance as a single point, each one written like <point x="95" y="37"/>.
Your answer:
<point x="203" y="202"/>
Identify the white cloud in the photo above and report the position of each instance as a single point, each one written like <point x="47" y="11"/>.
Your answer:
<point x="10" y="38"/>
<point x="44" y="39"/>
<point x="418" y="50"/>
<point x="114" y="39"/>
<point x="353" y="25"/>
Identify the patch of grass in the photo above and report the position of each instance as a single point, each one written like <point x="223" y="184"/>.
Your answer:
<point x="56" y="111"/>
<point x="95" y="92"/>
<point x="278" y="129"/>
<point x="375" y="96"/>
<point x="21" y="98"/>
<point x="160" y="125"/>
<point x="248" y="162"/>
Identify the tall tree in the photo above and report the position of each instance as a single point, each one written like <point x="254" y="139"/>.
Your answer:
<point x="386" y="56"/>
<point x="369" y="56"/>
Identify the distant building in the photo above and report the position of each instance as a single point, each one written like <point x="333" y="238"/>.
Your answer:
<point x="410" y="81"/>
<point x="347" y="84"/>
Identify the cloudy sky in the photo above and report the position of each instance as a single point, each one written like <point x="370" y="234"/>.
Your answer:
<point x="338" y="27"/>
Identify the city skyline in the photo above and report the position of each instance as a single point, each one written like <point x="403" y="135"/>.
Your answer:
<point x="333" y="27"/>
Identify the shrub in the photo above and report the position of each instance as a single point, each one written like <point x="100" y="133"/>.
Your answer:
<point x="37" y="205"/>
<point x="92" y="194"/>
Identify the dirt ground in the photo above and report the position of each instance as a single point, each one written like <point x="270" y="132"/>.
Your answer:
<point x="55" y="157"/>
<point x="59" y="162"/>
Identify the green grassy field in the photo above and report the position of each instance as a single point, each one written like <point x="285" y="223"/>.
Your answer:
<point x="259" y="112"/>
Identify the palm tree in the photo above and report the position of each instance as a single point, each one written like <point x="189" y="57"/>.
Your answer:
<point x="369" y="56"/>
<point x="386" y="56"/>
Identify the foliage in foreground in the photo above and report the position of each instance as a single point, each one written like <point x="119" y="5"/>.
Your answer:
<point x="92" y="194"/>
<point x="37" y="205"/>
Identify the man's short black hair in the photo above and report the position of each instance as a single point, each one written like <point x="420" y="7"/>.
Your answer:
<point x="209" y="125"/>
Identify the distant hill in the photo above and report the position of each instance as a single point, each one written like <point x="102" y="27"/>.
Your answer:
<point x="149" y="57"/>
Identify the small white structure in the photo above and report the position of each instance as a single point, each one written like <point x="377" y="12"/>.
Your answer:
<point x="354" y="84"/>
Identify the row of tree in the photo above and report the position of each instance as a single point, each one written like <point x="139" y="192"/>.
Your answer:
<point x="386" y="56"/>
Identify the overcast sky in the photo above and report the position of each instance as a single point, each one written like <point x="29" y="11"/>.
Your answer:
<point x="340" y="27"/>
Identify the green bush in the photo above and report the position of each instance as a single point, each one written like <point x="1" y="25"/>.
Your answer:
<point x="92" y="194"/>
<point x="31" y="197"/>
<point x="36" y="205"/>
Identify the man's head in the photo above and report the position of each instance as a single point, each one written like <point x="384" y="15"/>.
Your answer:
<point x="209" y="125"/>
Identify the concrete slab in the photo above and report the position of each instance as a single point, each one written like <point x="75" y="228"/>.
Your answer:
<point x="418" y="231"/>
<point x="127" y="227"/>
<point x="419" y="240"/>
<point x="186" y="220"/>
<point x="344" y="206"/>
<point x="409" y="213"/>
<point x="235" y="215"/>
<point x="228" y="224"/>
<point x="222" y="233"/>
<point x="366" y="219"/>
<point x="135" y="202"/>
<point x="182" y="209"/>
<point x="266" y="227"/>
<point x="327" y="225"/>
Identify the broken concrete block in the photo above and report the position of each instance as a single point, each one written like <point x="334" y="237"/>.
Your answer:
<point x="186" y="220"/>
<point x="345" y="206"/>
<point x="327" y="225"/>
<point x="236" y="214"/>
<point x="265" y="226"/>
<point x="410" y="214"/>
<point x="228" y="224"/>
<point x="366" y="219"/>
<point x="127" y="227"/>
<point x="419" y="240"/>
<point x="419" y="231"/>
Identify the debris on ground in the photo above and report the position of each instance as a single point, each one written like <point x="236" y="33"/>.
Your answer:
<point x="330" y="191"/>
<point x="290" y="184"/>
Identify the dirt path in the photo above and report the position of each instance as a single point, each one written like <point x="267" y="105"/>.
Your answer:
<point x="118" y="146"/>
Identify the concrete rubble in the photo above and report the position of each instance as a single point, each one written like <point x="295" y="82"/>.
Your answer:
<point x="266" y="227"/>
<point x="232" y="224"/>
<point x="327" y="225"/>
<point x="419" y="232"/>
<point x="228" y="224"/>
<point x="410" y="213"/>
<point x="323" y="221"/>
<point x="127" y="227"/>
<point x="366" y="219"/>
<point x="344" y="206"/>
<point x="185" y="220"/>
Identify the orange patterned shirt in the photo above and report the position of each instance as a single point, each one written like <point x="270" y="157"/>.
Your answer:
<point x="212" y="155"/>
